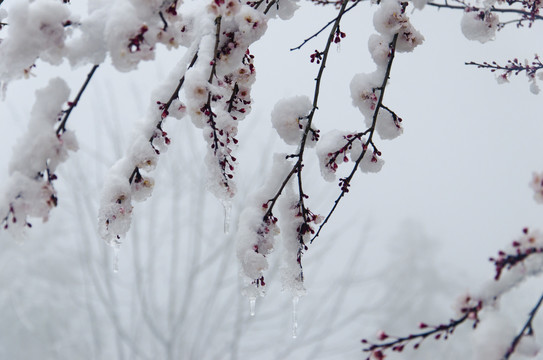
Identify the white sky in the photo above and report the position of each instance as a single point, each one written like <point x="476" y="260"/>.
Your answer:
<point x="460" y="170"/>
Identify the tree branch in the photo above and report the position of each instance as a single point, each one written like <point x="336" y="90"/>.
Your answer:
<point x="346" y="181"/>
<point x="324" y="27"/>
<point x="72" y="104"/>
<point x="526" y="330"/>
<point x="318" y="79"/>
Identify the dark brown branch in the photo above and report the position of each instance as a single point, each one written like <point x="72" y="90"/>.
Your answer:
<point x="512" y="67"/>
<point x="318" y="79"/>
<point x="163" y="21"/>
<point x="526" y="14"/>
<point x="526" y="330"/>
<point x="165" y="107"/>
<point x="72" y="104"/>
<point x="346" y="181"/>
<point x="437" y="332"/>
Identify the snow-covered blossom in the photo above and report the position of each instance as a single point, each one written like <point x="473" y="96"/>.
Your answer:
<point x="365" y="94"/>
<point x="371" y="162"/>
<point x="388" y="125"/>
<point x="391" y="19"/>
<point x="479" y="25"/>
<point x="379" y="47"/>
<point x="36" y="30"/>
<point x="284" y="9"/>
<point x="293" y="244"/>
<point x="115" y="214"/>
<point x="36" y="156"/>
<point x="257" y="229"/>
<point x="334" y="148"/>
<point x="289" y="118"/>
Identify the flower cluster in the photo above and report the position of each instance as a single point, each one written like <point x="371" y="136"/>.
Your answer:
<point x="530" y="243"/>
<point x="515" y="67"/>
<point x="30" y="191"/>
<point x="513" y="266"/>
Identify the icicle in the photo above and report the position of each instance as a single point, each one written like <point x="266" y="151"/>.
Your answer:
<point x="295" y="300"/>
<point x="116" y="249"/>
<point x="252" y="304"/>
<point x="227" y="204"/>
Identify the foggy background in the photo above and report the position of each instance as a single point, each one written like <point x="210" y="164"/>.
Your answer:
<point x="404" y="243"/>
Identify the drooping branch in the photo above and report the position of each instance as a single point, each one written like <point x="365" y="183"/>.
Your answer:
<point x="299" y="163"/>
<point x="165" y="112"/>
<point x="398" y="344"/>
<point x="345" y="182"/>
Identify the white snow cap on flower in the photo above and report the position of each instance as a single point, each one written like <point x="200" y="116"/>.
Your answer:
<point x="479" y="25"/>
<point x="379" y="49"/>
<point x="331" y="151"/>
<point x="391" y="19"/>
<point x="289" y="117"/>
<point x="388" y="125"/>
<point x="35" y="30"/>
<point x="365" y="94"/>
<point x="371" y="162"/>
<point x="115" y="213"/>
<point x="285" y="9"/>
<point x="41" y="146"/>
<point x="291" y="271"/>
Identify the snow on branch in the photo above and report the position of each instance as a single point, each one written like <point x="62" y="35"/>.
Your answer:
<point x="37" y="154"/>
<point x="126" y="182"/>
<point x="514" y="265"/>
<point x="292" y="119"/>
<point x="515" y="67"/>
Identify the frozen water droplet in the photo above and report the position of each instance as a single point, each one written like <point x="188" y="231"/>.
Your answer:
<point x="252" y="304"/>
<point x="295" y="300"/>
<point x="227" y="210"/>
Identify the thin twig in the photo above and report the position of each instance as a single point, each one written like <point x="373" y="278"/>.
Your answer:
<point x="347" y="180"/>
<point x="446" y="5"/>
<point x="72" y="104"/>
<point x="324" y="27"/>
<point x="526" y="330"/>
<point x="299" y="163"/>
<point x="165" y="108"/>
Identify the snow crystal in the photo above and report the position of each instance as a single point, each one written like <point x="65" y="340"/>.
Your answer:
<point x="289" y="117"/>
<point x="479" y="25"/>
